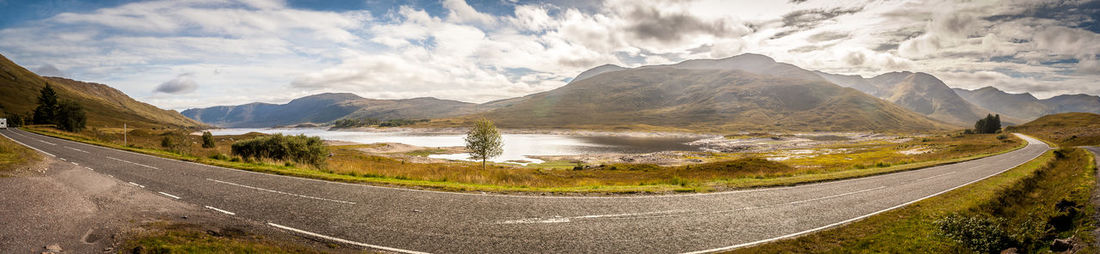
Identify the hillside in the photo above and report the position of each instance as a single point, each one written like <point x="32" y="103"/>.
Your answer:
<point x="327" y="107"/>
<point x="919" y="92"/>
<point x="1074" y="103"/>
<point x="1023" y="106"/>
<point x="709" y="96"/>
<point x="105" y="106"/>
<point x="1065" y="129"/>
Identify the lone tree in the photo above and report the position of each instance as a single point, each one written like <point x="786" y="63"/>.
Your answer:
<point x="483" y="141"/>
<point x="207" y="140"/>
<point x="48" y="107"/>
<point x="989" y="124"/>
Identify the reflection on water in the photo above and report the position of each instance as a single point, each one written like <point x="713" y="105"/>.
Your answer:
<point x="516" y="146"/>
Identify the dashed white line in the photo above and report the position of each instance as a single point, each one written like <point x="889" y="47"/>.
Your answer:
<point x="63" y="159"/>
<point x="138" y="185"/>
<point x="282" y="192"/>
<point x="835" y="196"/>
<point x="74" y="163"/>
<point x="344" y="241"/>
<point x="220" y="210"/>
<point x="78" y="150"/>
<point x="169" y="195"/>
<point x="43" y="141"/>
<point x="21" y="143"/>
<point x="135" y="163"/>
<point x="930" y="177"/>
<point x="558" y="219"/>
<point x="89" y="168"/>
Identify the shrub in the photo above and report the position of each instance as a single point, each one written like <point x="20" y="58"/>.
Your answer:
<point x="207" y="140"/>
<point x="219" y="156"/>
<point x="978" y="233"/>
<point x="300" y="149"/>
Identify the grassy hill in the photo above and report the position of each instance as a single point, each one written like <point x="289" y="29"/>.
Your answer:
<point x="705" y="99"/>
<point x="919" y="92"/>
<point x="105" y="106"/>
<point x="1065" y="129"/>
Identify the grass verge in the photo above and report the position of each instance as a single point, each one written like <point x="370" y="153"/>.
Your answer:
<point x="1026" y="206"/>
<point x="350" y="165"/>
<point x="168" y="237"/>
<point x="13" y="155"/>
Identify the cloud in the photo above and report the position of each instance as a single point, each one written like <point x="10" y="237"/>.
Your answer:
<point x="182" y="84"/>
<point x="48" y="70"/>
<point x="461" y="12"/>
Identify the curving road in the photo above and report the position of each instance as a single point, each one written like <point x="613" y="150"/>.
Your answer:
<point x="413" y="221"/>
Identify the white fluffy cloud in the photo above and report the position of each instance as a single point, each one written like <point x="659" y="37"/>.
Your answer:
<point x="273" y="53"/>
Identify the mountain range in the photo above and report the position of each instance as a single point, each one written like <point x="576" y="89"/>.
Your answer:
<point x="104" y="106"/>
<point x="1026" y="106"/>
<point x="327" y="107"/>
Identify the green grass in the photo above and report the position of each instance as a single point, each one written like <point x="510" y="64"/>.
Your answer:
<point x="350" y="165"/>
<point x="13" y="155"/>
<point x="164" y="237"/>
<point x="1031" y="190"/>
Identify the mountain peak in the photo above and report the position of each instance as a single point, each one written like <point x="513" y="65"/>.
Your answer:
<point x="597" y="71"/>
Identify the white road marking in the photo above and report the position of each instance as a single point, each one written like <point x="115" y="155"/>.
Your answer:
<point x="43" y="141"/>
<point x="930" y="177"/>
<point x="21" y="143"/>
<point x="138" y="185"/>
<point x="63" y="159"/>
<point x="344" y="241"/>
<point x="78" y="150"/>
<point x="835" y="196"/>
<point x="89" y="168"/>
<point x="74" y="163"/>
<point x="135" y="163"/>
<point x="282" y="192"/>
<point x="111" y="176"/>
<point x="169" y="195"/>
<point x="220" y="210"/>
<point x="865" y="215"/>
<point x="558" y="219"/>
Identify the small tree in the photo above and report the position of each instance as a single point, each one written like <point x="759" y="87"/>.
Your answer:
<point x="70" y="117"/>
<point x="483" y="141"/>
<point x="207" y="140"/>
<point x="48" y="107"/>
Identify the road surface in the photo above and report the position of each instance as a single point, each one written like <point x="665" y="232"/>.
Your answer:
<point x="414" y="221"/>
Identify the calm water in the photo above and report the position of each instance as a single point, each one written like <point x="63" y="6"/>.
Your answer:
<point x="516" y="146"/>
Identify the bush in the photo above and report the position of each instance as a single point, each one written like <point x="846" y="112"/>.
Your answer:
<point x="219" y="156"/>
<point x="300" y="149"/>
<point x="978" y="233"/>
<point x="207" y="140"/>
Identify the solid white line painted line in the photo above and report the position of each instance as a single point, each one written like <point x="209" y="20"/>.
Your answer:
<point x="78" y="150"/>
<point x="869" y="214"/>
<point x="21" y="143"/>
<point x="169" y="195"/>
<point x="43" y="141"/>
<point x="835" y="196"/>
<point x="135" y="163"/>
<point x="334" y="239"/>
<point x="220" y="210"/>
<point x="281" y="192"/>
<point x="138" y="185"/>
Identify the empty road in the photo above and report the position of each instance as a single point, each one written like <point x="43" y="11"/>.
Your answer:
<point x="413" y="221"/>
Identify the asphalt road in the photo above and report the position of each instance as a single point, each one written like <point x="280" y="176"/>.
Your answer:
<point x="404" y="220"/>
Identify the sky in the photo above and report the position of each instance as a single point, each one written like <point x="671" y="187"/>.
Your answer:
<point x="181" y="54"/>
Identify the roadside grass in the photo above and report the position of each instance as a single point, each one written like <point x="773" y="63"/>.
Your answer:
<point x="1065" y="129"/>
<point x="169" y="237"/>
<point x="1049" y="193"/>
<point x="13" y="155"/>
<point x="348" y="164"/>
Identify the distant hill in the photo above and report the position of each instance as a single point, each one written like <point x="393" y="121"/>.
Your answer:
<point x="747" y="92"/>
<point x="919" y="92"/>
<point x="105" y="106"/>
<point x="1066" y="129"/>
<point x="1026" y="106"/>
<point x="327" y="107"/>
